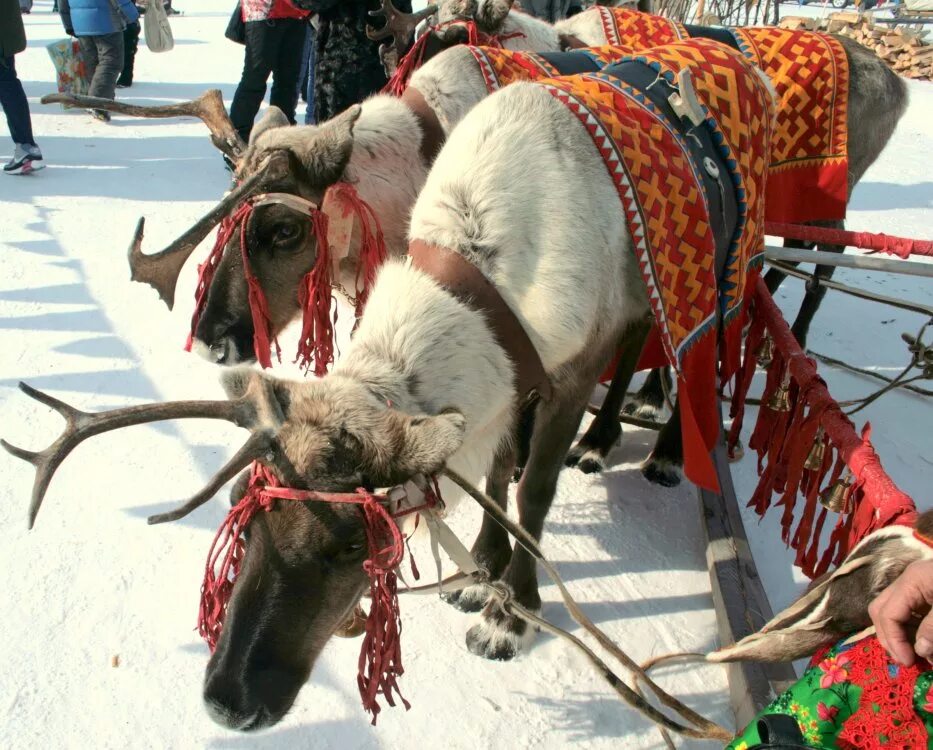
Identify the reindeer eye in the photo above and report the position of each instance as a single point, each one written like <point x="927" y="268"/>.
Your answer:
<point x="286" y="233"/>
<point x="351" y="552"/>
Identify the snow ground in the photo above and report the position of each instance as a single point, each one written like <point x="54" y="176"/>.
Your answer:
<point x="92" y="581"/>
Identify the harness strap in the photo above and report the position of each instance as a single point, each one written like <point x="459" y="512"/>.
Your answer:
<point x="468" y="284"/>
<point x="432" y="134"/>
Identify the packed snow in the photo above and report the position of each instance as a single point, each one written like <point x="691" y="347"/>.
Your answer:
<point x="99" y="608"/>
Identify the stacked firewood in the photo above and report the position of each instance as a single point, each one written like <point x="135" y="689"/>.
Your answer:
<point x="905" y="50"/>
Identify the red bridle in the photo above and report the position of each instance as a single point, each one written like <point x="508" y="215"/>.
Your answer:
<point x="380" y="663"/>
<point x="315" y="291"/>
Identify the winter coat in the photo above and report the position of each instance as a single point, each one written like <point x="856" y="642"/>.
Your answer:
<point x="263" y="10"/>
<point x="347" y="68"/>
<point x="96" y="17"/>
<point x="12" y="33"/>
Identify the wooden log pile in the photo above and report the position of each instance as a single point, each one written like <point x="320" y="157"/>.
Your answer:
<point x="904" y="49"/>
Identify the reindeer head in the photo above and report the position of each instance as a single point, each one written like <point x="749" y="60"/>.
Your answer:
<point x="489" y="15"/>
<point x="302" y="572"/>
<point x="279" y="242"/>
<point x="837" y="603"/>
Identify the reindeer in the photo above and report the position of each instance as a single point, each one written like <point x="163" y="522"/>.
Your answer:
<point x="428" y="381"/>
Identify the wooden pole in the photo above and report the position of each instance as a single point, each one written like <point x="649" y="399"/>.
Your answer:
<point x="863" y="262"/>
<point x="740" y="601"/>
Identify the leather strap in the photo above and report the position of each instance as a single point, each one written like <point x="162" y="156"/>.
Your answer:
<point x="467" y="283"/>
<point x="432" y="134"/>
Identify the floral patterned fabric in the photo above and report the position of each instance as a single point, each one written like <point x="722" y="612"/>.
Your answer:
<point x="855" y="697"/>
<point x="71" y="74"/>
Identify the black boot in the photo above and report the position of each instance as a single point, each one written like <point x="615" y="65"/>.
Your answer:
<point x="130" y="44"/>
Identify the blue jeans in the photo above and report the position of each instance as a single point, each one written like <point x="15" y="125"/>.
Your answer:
<point x="14" y="103"/>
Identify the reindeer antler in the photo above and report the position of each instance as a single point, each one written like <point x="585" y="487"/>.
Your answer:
<point x="400" y="26"/>
<point x="209" y="108"/>
<point x="254" y="410"/>
<point x="161" y="270"/>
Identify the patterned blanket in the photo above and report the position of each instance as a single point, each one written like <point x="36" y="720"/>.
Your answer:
<point x="501" y="67"/>
<point x="810" y="72"/>
<point x="661" y="194"/>
<point x="631" y="28"/>
<point x="808" y="179"/>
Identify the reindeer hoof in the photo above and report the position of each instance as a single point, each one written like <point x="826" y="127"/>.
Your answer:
<point x="592" y="463"/>
<point x="499" y="636"/>
<point x="642" y="410"/>
<point x="661" y="471"/>
<point x="517" y="474"/>
<point x="469" y="599"/>
<point x="575" y="454"/>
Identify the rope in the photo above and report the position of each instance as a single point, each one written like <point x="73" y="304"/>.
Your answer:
<point x="903" y="247"/>
<point x="704" y="728"/>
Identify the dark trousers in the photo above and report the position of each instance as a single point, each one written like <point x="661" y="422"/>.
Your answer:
<point x="130" y="44"/>
<point x="271" y="47"/>
<point x="14" y="103"/>
<point x="103" y="59"/>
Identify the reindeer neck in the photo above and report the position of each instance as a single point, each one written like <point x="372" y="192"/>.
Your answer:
<point x="422" y="350"/>
<point x="386" y="167"/>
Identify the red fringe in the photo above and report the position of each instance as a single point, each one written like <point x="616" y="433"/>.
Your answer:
<point x="373" y="251"/>
<point x="414" y="58"/>
<point x="783" y="441"/>
<point x="208" y="268"/>
<point x="316" y="300"/>
<point x="258" y="307"/>
<point x="228" y="548"/>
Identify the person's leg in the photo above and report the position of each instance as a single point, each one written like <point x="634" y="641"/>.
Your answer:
<point x="309" y="98"/>
<point x="287" y="70"/>
<point x="88" y="46"/>
<point x="257" y="65"/>
<point x="109" y="64"/>
<point x="14" y="103"/>
<point x="130" y="45"/>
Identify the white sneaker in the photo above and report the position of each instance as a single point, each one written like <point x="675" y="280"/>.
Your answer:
<point x="26" y="160"/>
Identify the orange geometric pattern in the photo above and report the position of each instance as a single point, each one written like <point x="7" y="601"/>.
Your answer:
<point x="631" y="28"/>
<point x="744" y="127"/>
<point x="500" y="67"/>
<point x="810" y="73"/>
<point x="668" y="217"/>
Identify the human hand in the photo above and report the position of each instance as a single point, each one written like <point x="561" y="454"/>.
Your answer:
<point x="902" y="604"/>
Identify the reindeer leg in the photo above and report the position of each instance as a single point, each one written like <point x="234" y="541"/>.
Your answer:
<point x="492" y="548"/>
<point x="667" y="458"/>
<point x="589" y="454"/>
<point x="526" y="427"/>
<point x="501" y="636"/>
<point x="649" y="401"/>
<point x="815" y="290"/>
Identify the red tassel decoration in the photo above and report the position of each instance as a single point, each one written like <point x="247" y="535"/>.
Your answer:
<point x="316" y="300"/>
<point x="258" y="307"/>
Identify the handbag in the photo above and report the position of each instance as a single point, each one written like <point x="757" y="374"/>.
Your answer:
<point x="156" y="27"/>
<point x="70" y="71"/>
<point x="236" y="29"/>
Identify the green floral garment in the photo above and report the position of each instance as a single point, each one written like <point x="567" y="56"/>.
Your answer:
<point x="854" y="697"/>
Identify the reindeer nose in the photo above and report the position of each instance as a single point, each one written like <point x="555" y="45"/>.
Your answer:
<point x="228" y="703"/>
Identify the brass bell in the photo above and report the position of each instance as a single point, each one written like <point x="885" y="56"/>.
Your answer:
<point x="836" y="497"/>
<point x="814" y="460"/>
<point x="765" y="352"/>
<point x="780" y="399"/>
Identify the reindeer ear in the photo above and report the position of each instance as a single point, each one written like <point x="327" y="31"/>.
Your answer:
<point x="324" y="154"/>
<point x="273" y="118"/>
<point x="837" y="604"/>
<point x="419" y="445"/>
<point x="269" y="396"/>
<point x="491" y="14"/>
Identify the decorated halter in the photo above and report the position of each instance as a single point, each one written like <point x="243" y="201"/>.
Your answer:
<point x="315" y="292"/>
<point x="380" y="663"/>
<point x="414" y="58"/>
